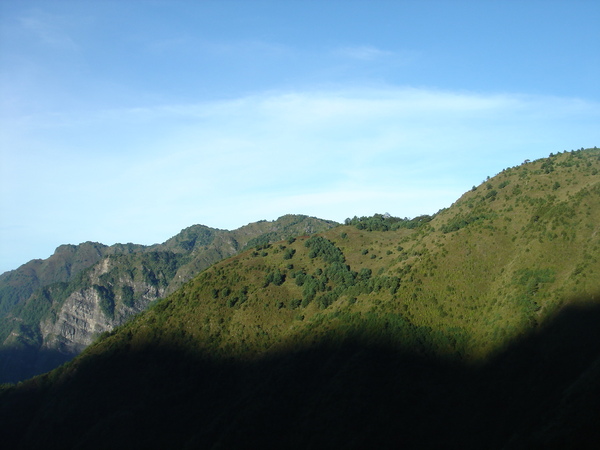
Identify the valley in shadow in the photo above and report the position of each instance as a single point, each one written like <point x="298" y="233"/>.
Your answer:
<point x="24" y="361"/>
<point x="540" y="392"/>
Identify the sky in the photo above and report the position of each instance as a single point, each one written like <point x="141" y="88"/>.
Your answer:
<point x="127" y="121"/>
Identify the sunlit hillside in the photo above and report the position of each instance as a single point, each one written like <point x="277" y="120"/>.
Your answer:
<point x="476" y="327"/>
<point x="501" y="260"/>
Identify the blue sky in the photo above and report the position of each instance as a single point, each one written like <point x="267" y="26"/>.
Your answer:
<point x="127" y="121"/>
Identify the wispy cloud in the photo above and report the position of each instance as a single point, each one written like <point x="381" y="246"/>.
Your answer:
<point x="151" y="171"/>
<point x="363" y="52"/>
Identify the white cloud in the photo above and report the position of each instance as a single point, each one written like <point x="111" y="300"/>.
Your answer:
<point x="142" y="174"/>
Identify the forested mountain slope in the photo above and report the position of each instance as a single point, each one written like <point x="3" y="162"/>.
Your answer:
<point x="52" y="309"/>
<point x="476" y="328"/>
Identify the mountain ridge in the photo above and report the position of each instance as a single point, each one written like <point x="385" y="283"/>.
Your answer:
<point x="61" y="304"/>
<point x="474" y="328"/>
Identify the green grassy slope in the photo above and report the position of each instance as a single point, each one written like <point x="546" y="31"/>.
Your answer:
<point x="482" y="272"/>
<point x="127" y="277"/>
<point x="476" y="329"/>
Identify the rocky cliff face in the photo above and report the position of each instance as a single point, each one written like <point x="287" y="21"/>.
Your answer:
<point x="82" y="318"/>
<point x="79" y="322"/>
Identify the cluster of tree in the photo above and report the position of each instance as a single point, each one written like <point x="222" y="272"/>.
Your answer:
<point x="233" y="299"/>
<point x="289" y="253"/>
<point x="326" y="285"/>
<point x="276" y="277"/>
<point x="107" y="300"/>
<point x="462" y="220"/>
<point x="240" y="298"/>
<point x="324" y="248"/>
<point x="385" y="222"/>
<point x="263" y="241"/>
<point x="530" y="282"/>
<point x="127" y="296"/>
<point x="532" y="279"/>
<point x="548" y="166"/>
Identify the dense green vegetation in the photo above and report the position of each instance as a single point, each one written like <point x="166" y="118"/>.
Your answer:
<point x="68" y="260"/>
<point x="385" y="222"/>
<point x="474" y="328"/>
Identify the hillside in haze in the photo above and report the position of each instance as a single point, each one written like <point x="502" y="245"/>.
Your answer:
<point x="52" y="309"/>
<point x="478" y="327"/>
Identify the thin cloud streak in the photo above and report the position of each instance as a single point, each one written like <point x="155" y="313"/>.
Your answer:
<point x="363" y="52"/>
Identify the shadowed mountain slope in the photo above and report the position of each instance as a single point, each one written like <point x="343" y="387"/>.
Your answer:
<point x="335" y="393"/>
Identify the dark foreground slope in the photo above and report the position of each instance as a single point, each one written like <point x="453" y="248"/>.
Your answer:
<point x="351" y="394"/>
<point x="479" y="328"/>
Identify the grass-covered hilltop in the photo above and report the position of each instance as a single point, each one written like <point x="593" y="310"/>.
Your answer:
<point x="478" y="327"/>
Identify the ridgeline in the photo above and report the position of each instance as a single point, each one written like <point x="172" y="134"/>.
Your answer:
<point x="478" y="327"/>
<point x="50" y="310"/>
